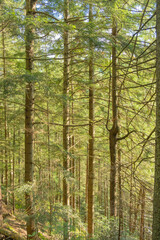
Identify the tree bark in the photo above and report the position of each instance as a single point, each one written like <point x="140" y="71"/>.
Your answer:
<point x="120" y="196"/>
<point x="156" y="200"/>
<point x="142" y="228"/>
<point x="91" y="131"/>
<point x="114" y="129"/>
<point x="1" y="213"/>
<point x="29" y="130"/>
<point x="49" y="171"/>
<point x="65" y="114"/>
<point x="13" y="169"/>
<point x="5" y="118"/>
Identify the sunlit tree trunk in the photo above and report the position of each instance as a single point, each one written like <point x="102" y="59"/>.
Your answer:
<point x="19" y="159"/>
<point x="29" y="130"/>
<point x="13" y="169"/>
<point x="156" y="201"/>
<point x="142" y="226"/>
<point x="120" y="196"/>
<point x="49" y="170"/>
<point x="1" y="213"/>
<point x="65" y="114"/>
<point x="87" y="183"/>
<point x="131" y="199"/>
<point x="5" y="117"/>
<point x="91" y="132"/>
<point x="114" y="129"/>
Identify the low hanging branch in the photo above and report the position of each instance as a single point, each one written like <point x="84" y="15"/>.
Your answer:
<point x="125" y="136"/>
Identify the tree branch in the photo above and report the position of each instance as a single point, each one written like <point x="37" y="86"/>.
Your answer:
<point x="125" y="136"/>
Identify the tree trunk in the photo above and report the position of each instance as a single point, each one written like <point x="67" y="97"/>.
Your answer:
<point x="13" y="169"/>
<point x="142" y="214"/>
<point x="19" y="159"/>
<point x="1" y="213"/>
<point x="131" y="200"/>
<point x="91" y="132"/>
<point x="65" y="114"/>
<point x="87" y="184"/>
<point x="5" y="118"/>
<point x="136" y="210"/>
<point x="114" y="129"/>
<point x="156" y="200"/>
<point x="49" y="171"/>
<point x="29" y="130"/>
<point x="120" y="196"/>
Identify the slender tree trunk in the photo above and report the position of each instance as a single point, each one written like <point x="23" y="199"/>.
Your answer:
<point x="13" y="169"/>
<point x="29" y="130"/>
<point x="6" y="152"/>
<point x="99" y="183"/>
<point x="72" y="151"/>
<point x="156" y="200"/>
<point x="131" y="200"/>
<point x="19" y="159"/>
<point x="91" y="132"/>
<point x="136" y="210"/>
<point x="79" y="184"/>
<point x="142" y="228"/>
<point x="5" y="117"/>
<point x="49" y="170"/>
<point x="65" y="114"/>
<point x="87" y="184"/>
<point x="1" y="213"/>
<point x="120" y="196"/>
<point x="114" y="129"/>
<point x="106" y="213"/>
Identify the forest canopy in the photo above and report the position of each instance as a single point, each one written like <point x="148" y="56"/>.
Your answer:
<point x="80" y="118"/>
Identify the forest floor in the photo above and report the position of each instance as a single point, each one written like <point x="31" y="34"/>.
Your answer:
<point x="13" y="228"/>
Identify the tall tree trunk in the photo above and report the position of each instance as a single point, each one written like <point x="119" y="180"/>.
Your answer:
<point x="19" y="159"/>
<point x="142" y="228"/>
<point x="5" y="117"/>
<point x="49" y="171"/>
<point x="87" y="184"/>
<point x="131" y="199"/>
<point x="136" y="210"/>
<point x="106" y="197"/>
<point x="114" y="129"/>
<point x="13" y="169"/>
<point x="65" y="113"/>
<point x="79" y="184"/>
<point x="120" y="196"/>
<point x="156" y="200"/>
<point x="1" y="213"/>
<point x="91" y="131"/>
<point x="29" y="130"/>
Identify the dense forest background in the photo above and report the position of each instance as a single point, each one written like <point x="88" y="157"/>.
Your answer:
<point x="77" y="116"/>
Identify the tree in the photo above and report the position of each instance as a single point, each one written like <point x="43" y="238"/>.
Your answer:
<point x="156" y="202"/>
<point x="91" y="129"/>
<point x="29" y="111"/>
<point x="65" y="114"/>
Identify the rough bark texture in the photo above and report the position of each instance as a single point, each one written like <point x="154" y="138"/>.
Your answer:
<point x="156" y="201"/>
<point x="114" y="129"/>
<point x="65" y="114"/>
<point x="29" y="107"/>
<point x="91" y="133"/>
